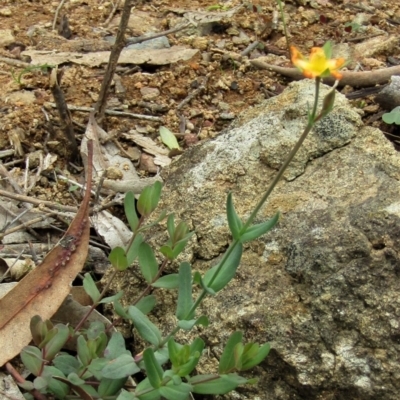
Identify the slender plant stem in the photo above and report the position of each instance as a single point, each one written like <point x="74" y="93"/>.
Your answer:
<point x="284" y="25"/>
<point x="311" y="121"/>
<point x="310" y="124"/>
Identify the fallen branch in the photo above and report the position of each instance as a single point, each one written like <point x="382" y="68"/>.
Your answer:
<point x="354" y="79"/>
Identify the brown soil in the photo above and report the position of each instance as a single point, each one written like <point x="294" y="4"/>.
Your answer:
<point x="233" y="83"/>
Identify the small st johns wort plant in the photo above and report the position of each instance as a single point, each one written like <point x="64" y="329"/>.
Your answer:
<point x="102" y="366"/>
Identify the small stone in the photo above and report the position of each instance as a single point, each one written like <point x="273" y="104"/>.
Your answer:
<point x="149" y="93"/>
<point x="310" y="15"/>
<point x="114" y="173"/>
<point x="5" y="12"/>
<point x="6" y="37"/>
<point x="241" y="39"/>
<point x="227" y="116"/>
<point x="389" y="97"/>
<point x="221" y="43"/>
<point x="134" y="153"/>
<point x="157" y="43"/>
<point x="200" y="43"/>
<point x="147" y="163"/>
<point x="223" y="106"/>
<point x="232" y="31"/>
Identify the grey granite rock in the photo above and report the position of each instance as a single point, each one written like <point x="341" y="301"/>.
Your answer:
<point x="323" y="287"/>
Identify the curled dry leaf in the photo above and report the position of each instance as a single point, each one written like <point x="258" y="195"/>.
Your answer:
<point x="43" y="290"/>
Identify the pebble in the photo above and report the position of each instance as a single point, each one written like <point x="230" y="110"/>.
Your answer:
<point x="5" y="12"/>
<point x="389" y="97"/>
<point x="200" y="43"/>
<point x="149" y="93"/>
<point x="157" y="43"/>
<point x="227" y="116"/>
<point x="6" y="37"/>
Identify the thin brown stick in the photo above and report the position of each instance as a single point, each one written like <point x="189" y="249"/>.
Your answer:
<point x="16" y="63"/>
<point x="113" y="11"/>
<point x="354" y="79"/>
<point x="59" y="7"/>
<point x="113" y="112"/>
<point x="37" y="202"/>
<point x="193" y="94"/>
<point x="25" y="225"/>
<point x="142" y="39"/>
<point x="112" y="62"/>
<point x="20" y="379"/>
<point x="65" y="116"/>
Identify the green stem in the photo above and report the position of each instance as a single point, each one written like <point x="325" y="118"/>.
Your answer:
<point x="311" y="122"/>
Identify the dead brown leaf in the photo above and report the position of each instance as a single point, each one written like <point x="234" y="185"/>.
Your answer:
<point x="43" y="290"/>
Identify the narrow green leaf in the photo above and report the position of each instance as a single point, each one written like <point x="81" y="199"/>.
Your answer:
<point x="227" y="360"/>
<point x="118" y="259"/>
<point x="328" y="103"/>
<point x="111" y="299"/>
<point x="234" y="222"/>
<point x="32" y="358"/>
<point x="214" y="384"/>
<point x="56" y="343"/>
<point x="185" y="300"/>
<point x="328" y="49"/>
<point x="91" y="288"/>
<point x="38" y="329"/>
<point x="262" y="353"/>
<point x="153" y="369"/>
<point x="110" y="387"/>
<point x="175" y="392"/>
<point x="237" y="353"/>
<point x="121" y="367"/>
<point x="120" y="310"/>
<point x="255" y="231"/>
<point x="144" y="391"/>
<point x="75" y="379"/>
<point x="130" y="211"/>
<point x="146" y="329"/>
<point x="168" y="138"/>
<point x="133" y="251"/>
<point x="146" y="304"/>
<point x="197" y="278"/>
<point x="149" y="199"/>
<point x="171" y="225"/>
<point x="187" y="325"/>
<point x="180" y="245"/>
<point x="147" y="262"/>
<point x="227" y="272"/>
<point x="173" y="351"/>
<point x="83" y="351"/>
<point x="167" y="252"/>
<point x="170" y="281"/>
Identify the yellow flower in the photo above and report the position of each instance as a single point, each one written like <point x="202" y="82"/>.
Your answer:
<point x="318" y="65"/>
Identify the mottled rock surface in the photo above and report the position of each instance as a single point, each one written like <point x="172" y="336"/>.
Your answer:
<point x="323" y="287"/>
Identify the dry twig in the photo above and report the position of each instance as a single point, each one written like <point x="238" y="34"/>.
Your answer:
<point x="115" y="113"/>
<point x="112" y="62"/>
<point x="354" y="79"/>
